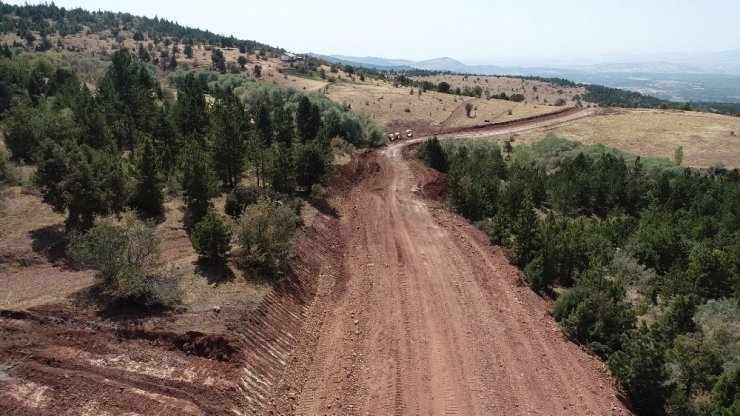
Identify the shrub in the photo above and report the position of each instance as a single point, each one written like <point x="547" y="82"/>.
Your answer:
<point x="125" y="256"/>
<point x="243" y="196"/>
<point x="516" y="98"/>
<point x="211" y="237"/>
<point x="639" y="368"/>
<point x="594" y="312"/>
<point x="318" y="193"/>
<point x="267" y="234"/>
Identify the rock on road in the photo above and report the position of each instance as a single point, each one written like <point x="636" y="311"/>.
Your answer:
<point x="424" y="316"/>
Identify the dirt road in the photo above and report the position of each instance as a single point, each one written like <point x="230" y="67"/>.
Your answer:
<point x="426" y="317"/>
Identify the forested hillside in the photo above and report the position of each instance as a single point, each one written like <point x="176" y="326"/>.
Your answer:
<point x="642" y="256"/>
<point x="126" y="144"/>
<point x="48" y="19"/>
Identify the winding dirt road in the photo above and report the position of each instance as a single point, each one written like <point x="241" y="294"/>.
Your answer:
<point x="426" y="317"/>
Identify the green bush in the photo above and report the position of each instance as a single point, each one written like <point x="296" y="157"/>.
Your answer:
<point x="267" y="234"/>
<point x="318" y="193"/>
<point x="241" y="197"/>
<point x="211" y="238"/>
<point x="639" y="368"/>
<point x="125" y="256"/>
<point x="594" y="312"/>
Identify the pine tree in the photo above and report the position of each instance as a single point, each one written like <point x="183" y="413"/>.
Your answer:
<point x="197" y="179"/>
<point x="308" y="119"/>
<point x="526" y="230"/>
<point x="127" y="94"/>
<point x="148" y="195"/>
<point x="82" y="181"/>
<point x="228" y="134"/>
<point x="190" y="113"/>
<point x="281" y="169"/>
<point x="211" y="237"/>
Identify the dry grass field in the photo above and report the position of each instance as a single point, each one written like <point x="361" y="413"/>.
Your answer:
<point x="537" y="92"/>
<point x="396" y="108"/>
<point x="707" y="139"/>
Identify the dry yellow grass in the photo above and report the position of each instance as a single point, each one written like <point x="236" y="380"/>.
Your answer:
<point x="706" y="139"/>
<point x="430" y="112"/>
<point x="537" y="92"/>
<point x="29" y="228"/>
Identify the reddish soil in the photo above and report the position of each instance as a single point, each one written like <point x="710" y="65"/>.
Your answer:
<point x="66" y="359"/>
<point x="427" y="317"/>
<point x="393" y="306"/>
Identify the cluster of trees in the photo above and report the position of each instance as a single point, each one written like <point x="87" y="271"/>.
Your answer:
<point x="615" y="97"/>
<point x="626" y="238"/>
<point x="120" y="148"/>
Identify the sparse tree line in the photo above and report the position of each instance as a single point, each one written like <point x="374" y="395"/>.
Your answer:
<point x="129" y="145"/>
<point x="645" y="256"/>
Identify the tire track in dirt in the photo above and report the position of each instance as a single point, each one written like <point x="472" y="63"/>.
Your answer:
<point x="429" y="318"/>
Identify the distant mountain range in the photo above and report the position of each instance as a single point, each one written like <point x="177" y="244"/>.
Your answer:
<point x="701" y="76"/>
<point x="726" y="63"/>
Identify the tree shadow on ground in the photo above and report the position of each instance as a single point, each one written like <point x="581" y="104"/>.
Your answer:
<point x="216" y="273"/>
<point x="323" y="206"/>
<point x="51" y="243"/>
<point x="95" y="297"/>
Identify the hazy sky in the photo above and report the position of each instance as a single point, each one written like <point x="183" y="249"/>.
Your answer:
<point x="474" y="31"/>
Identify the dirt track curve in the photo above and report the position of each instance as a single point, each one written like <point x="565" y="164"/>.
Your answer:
<point x="427" y="317"/>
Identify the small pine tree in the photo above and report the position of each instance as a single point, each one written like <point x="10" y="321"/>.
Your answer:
<point x="468" y="108"/>
<point x="198" y="180"/>
<point x="211" y="237"/>
<point x="148" y="195"/>
<point x="678" y="156"/>
<point x="526" y="230"/>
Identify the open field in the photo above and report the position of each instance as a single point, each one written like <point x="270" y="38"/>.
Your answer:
<point x="707" y="139"/>
<point x="430" y="113"/>
<point x="537" y="92"/>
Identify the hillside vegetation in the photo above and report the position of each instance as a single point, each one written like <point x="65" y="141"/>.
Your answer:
<point x="129" y="145"/>
<point x="642" y="256"/>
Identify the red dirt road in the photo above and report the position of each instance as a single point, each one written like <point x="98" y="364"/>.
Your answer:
<point x="427" y="317"/>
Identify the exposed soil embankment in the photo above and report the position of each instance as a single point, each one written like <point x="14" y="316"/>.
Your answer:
<point x="59" y="359"/>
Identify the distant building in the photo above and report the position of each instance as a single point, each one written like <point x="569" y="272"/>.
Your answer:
<point x="288" y="57"/>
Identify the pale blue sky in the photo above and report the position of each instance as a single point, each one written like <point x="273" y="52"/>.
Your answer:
<point x="475" y="31"/>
